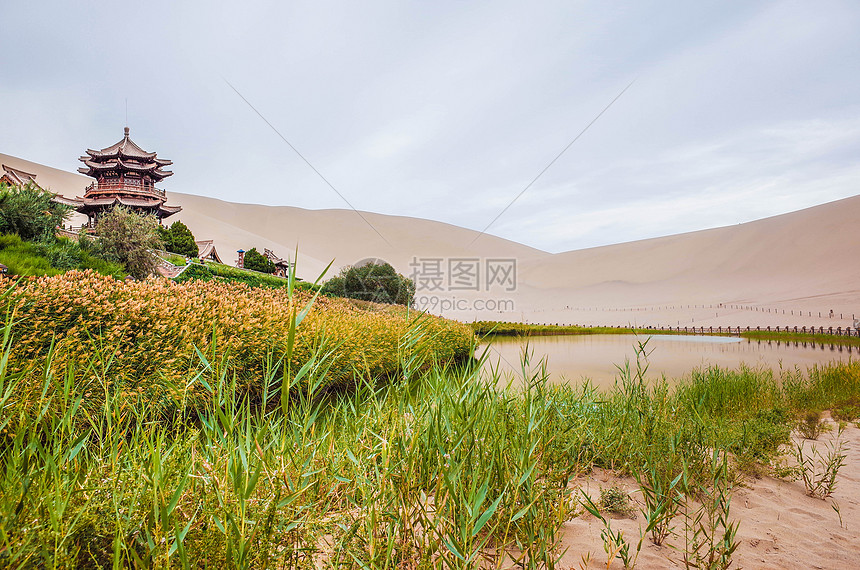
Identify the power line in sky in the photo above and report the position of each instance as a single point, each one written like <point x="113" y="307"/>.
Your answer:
<point x="551" y="162"/>
<point x="300" y="155"/>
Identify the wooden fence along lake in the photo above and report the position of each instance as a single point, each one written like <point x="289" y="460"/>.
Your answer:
<point x="834" y="331"/>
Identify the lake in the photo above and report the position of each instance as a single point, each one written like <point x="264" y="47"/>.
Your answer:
<point x="575" y="357"/>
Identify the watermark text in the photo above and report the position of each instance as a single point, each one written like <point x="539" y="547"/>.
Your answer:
<point x="442" y="304"/>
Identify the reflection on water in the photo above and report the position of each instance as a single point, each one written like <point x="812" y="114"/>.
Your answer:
<point x="575" y="357"/>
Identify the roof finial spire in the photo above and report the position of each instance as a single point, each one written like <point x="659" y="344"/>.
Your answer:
<point x="126" y="132"/>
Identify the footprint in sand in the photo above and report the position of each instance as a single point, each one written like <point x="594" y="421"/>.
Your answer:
<point x="806" y="513"/>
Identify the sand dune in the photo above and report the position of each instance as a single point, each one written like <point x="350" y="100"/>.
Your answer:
<point x="66" y="183"/>
<point x="802" y="262"/>
<point x="803" y="252"/>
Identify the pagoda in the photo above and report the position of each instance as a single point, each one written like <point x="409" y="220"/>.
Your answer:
<point x="125" y="175"/>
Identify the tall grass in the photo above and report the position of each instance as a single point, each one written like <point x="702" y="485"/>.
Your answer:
<point x="151" y="331"/>
<point x="417" y="469"/>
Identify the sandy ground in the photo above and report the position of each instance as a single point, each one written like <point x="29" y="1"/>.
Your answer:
<point x="780" y="526"/>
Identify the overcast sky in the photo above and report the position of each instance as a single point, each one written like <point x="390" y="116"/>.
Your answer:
<point x="447" y="110"/>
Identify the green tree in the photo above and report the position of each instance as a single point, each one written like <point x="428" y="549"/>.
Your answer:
<point x="256" y="261"/>
<point x="30" y="212"/>
<point x="372" y="281"/>
<point x="178" y="239"/>
<point x="127" y="237"/>
<point x="335" y="286"/>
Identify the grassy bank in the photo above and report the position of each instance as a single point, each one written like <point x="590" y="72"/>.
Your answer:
<point x="783" y="336"/>
<point x="24" y="258"/>
<point x="211" y="271"/>
<point x="491" y="328"/>
<point x="434" y="466"/>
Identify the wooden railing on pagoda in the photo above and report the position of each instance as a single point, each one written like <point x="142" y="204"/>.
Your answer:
<point x="124" y="186"/>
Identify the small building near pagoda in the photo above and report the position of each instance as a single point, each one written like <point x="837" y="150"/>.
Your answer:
<point x="16" y="177"/>
<point x="206" y="251"/>
<point x="282" y="266"/>
<point x="125" y="175"/>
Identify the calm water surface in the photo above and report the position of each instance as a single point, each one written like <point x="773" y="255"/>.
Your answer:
<point x="575" y="357"/>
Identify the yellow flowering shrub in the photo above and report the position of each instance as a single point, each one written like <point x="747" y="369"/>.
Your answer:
<point x="153" y="328"/>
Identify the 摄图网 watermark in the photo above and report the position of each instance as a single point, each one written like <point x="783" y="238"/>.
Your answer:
<point x="437" y="279"/>
<point x="463" y="274"/>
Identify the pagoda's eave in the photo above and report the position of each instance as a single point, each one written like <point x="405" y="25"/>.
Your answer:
<point x="122" y="149"/>
<point x="73" y="202"/>
<point x="117" y="171"/>
<point x="151" y="167"/>
<point x="89" y="206"/>
<point x="119" y="164"/>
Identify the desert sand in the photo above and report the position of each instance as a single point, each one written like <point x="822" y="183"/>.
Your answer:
<point x="781" y="527"/>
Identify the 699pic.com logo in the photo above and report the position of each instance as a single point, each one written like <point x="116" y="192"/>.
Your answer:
<point x="375" y="280"/>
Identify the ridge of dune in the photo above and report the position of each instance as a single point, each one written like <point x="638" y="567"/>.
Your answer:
<point x="344" y="236"/>
<point x="787" y="245"/>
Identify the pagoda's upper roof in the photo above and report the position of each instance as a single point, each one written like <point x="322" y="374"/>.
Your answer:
<point x="118" y="164"/>
<point x="124" y="156"/>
